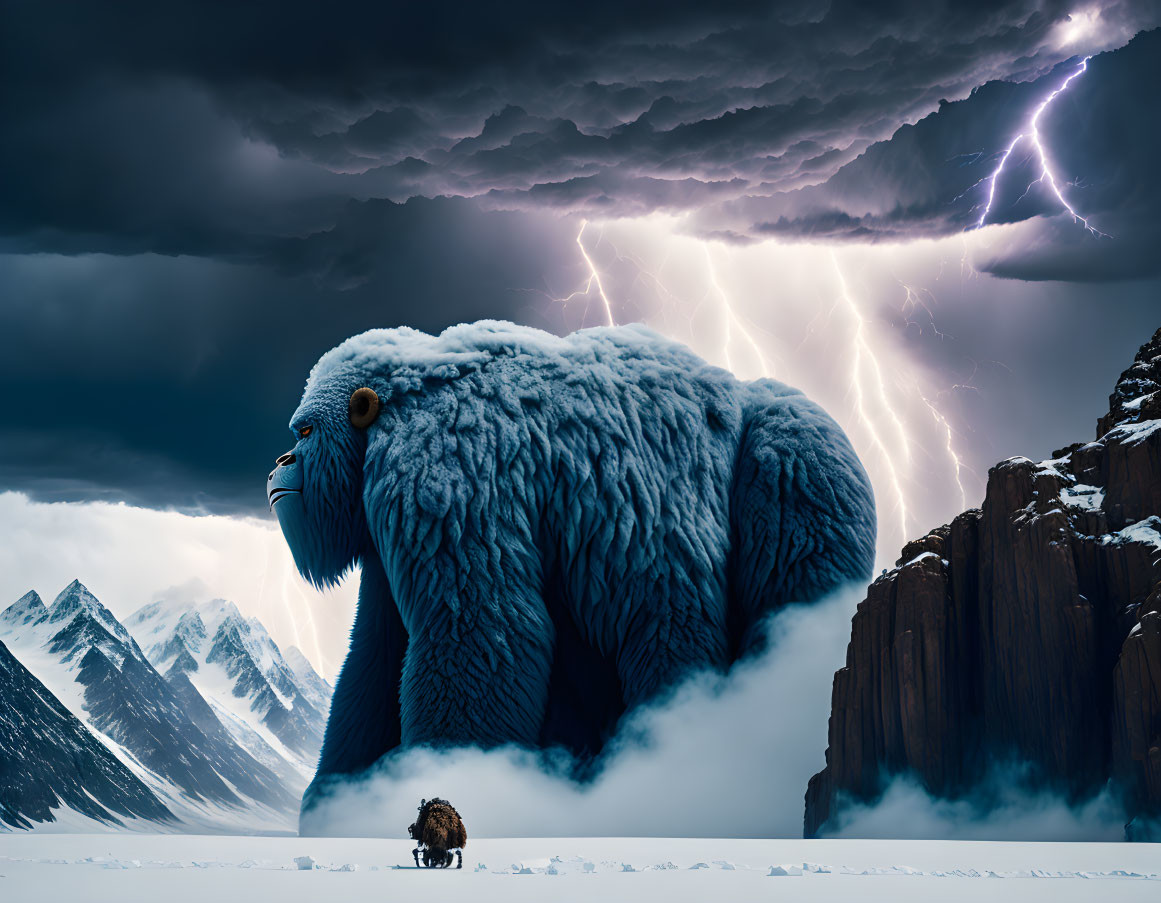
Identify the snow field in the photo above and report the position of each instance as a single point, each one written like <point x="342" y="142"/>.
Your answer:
<point x="177" y="869"/>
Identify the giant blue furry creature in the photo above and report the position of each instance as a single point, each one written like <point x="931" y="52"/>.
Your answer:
<point x="552" y="530"/>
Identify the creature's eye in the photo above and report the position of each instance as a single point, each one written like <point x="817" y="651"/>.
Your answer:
<point x="304" y="431"/>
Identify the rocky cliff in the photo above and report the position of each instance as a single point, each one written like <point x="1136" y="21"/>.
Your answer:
<point x="1026" y="631"/>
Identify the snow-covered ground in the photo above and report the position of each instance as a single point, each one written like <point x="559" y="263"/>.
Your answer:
<point x="175" y="869"/>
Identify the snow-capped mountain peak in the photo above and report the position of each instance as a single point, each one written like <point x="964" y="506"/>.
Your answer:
<point x="74" y="624"/>
<point x="76" y="599"/>
<point x="183" y="645"/>
<point x="206" y="711"/>
<point x="159" y="727"/>
<point x="271" y="707"/>
<point x="28" y="609"/>
<point x="192" y="629"/>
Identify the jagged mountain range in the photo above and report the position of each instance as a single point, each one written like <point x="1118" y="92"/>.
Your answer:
<point x="272" y="707"/>
<point x="52" y="759"/>
<point x="1027" y="631"/>
<point x="212" y="728"/>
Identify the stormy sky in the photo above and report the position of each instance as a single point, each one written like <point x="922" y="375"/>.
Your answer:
<point x="197" y="201"/>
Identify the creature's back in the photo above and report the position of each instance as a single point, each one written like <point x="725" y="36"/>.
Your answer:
<point x="439" y="827"/>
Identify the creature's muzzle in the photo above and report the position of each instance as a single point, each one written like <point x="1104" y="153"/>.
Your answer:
<point x="284" y="491"/>
<point x="285" y="479"/>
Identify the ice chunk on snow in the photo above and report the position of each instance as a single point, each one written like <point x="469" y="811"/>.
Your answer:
<point x="782" y="871"/>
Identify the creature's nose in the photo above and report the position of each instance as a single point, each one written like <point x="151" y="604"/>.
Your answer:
<point x="285" y="478"/>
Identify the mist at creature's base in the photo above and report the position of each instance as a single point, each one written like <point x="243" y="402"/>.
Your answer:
<point x="723" y="756"/>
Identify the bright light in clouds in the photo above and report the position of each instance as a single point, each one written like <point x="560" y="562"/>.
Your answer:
<point x="1082" y="25"/>
<point x="1089" y="30"/>
<point x="129" y="557"/>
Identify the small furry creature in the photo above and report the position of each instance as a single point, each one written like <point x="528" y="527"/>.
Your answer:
<point x="440" y="832"/>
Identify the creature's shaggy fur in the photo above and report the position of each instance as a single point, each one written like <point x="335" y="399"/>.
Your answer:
<point x="439" y="829"/>
<point x="552" y="530"/>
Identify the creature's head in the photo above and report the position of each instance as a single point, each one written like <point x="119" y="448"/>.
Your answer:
<point x="316" y="488"/>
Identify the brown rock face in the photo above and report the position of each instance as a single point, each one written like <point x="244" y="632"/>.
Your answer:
<point x="1028" y="630"/>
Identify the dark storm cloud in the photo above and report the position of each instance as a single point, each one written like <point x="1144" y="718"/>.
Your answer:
<point x="932" y="178"/>
<point x="170" y="381"/>
<point x="164" y="128"/>
<point x="152" y="166"/>
<point x="762" y="107"/>
<point x="196" y="201"/>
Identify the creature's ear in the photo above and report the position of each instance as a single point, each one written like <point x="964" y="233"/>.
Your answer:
<point x="363" y="408"/>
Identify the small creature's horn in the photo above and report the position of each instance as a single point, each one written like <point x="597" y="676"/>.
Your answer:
<point x="363" y="408"/>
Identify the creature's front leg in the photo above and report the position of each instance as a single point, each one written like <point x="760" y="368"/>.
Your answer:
<point x="364" y="718"/>
<point x="415" y="853"/>
<point x="459" y="859"/>
<point x="480" y="646"/>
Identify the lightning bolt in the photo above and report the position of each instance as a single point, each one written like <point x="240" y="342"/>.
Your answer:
<point x="914" y="300"/>
<point x="894" y="415"/>
<point x="594" y="279"/>
<point x="290" y="589"/>
<point x="730" y="319"/>
<point x="861" y="351"/>
<point x="949" y="445"/>
<point x="1046" y="175"/>
<point x="594" y="273"/>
